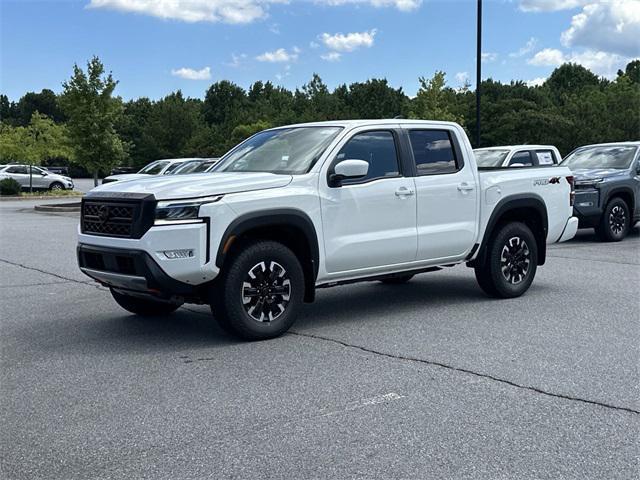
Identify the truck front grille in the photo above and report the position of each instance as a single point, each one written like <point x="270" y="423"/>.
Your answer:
<point x="108" y="218"/>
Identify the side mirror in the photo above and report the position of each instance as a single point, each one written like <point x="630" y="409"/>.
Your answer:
<point x="44" y="174"/>
<point x="348" y="169"/>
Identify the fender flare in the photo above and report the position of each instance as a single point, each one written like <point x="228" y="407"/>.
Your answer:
<point x="616" y="191"/>
<point x="507" y="204"/>
<point x="273" y="218"/>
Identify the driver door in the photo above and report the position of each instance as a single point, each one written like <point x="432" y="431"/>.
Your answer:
<point x="369" y="222"/>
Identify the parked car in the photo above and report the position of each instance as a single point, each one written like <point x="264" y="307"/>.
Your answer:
<point x="517" y="156"/>
<point x="40" y="178"/>
<point x="607" y="179"/>
<point x="195" y="166"/>
<point x="302" y="207"/>
<point x="159" y="167"/>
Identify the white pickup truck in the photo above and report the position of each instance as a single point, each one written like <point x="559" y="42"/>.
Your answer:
<point x="296" y="208"/>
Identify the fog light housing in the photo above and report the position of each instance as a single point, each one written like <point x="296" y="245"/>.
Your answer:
<point x="176" y="254"/>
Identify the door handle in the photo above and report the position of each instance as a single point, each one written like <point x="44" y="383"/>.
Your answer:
<point x="465" y="187"/>
<point x="404" y="192"/>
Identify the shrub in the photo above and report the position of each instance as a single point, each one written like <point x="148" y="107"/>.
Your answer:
<point x="9" y="186"/>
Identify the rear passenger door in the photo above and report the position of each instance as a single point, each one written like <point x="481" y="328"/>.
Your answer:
<point x="19" y="174"/>
<point x="447" y="194"/>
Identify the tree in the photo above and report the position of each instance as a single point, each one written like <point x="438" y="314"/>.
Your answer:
<point x="92" y="111"/>
<point x="45" y="102"/>
<point x="375" y="99"/>
<point x="431" y="101"/>
<point x="39" y="140"/>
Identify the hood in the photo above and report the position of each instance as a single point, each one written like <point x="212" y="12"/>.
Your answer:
<point x="126" y="176"/>
<point x="589" y="173"/>
<point x="170" y="187"/>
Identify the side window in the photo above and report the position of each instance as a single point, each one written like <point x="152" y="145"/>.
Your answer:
<point x="433" y="152"/>
<point x="172" y="167"/>
<point x="378" y="149"/>
<point x="17" y="169"/>
<point x="522" y="159"/>
<point x="545" y="157"/>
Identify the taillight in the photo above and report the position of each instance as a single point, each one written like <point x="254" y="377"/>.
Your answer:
<point x="572" y="184"/>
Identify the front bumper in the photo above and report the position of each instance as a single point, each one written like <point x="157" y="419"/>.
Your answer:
<point x="132" y="271"/>
<point x="587" y="208"/>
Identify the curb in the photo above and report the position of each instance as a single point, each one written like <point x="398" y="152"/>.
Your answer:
<point x="59" y="207"/>
<point x="6" y="198"/>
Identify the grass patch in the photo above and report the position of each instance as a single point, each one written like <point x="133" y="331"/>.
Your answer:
<point x="51" y="193"/>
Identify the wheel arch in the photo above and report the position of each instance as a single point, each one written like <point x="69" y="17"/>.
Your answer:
<point x="528" y="209"/>
<point x="291" y="227"/>
<point x="626" y="194"/>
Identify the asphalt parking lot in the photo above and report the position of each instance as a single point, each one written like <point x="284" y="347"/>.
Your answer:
<point x="426" y="380"/>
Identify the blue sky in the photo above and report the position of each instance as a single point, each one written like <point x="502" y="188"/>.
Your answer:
<point x="155" y="47"/>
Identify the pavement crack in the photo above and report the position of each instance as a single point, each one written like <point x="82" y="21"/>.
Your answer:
<point x="595" y="260"/>
<point x="62" y="277"/>
<point x="467" y="371"/>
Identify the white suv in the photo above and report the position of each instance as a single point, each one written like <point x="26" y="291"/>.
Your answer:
<point x="302" y="207"/>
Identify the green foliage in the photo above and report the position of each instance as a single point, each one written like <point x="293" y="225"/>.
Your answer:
<point x="92" y="111"/>
<point x="39" y="140"/>
<point x="8" y="186"/>
<point x="432" y="101"/>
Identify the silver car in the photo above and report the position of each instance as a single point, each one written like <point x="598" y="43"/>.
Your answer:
<point x="41" y="179"/>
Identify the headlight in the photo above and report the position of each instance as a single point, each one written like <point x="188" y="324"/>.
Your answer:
<point x="175" y="212"/>
<point x="589" y="182"/>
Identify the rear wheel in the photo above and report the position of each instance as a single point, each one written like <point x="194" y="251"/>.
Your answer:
<point x="260" y="292"/>
<point x="143" y="306"/>
<point x="615" y="221"/>
<point x="397" y="280"/>
<point x="511" y="262"/>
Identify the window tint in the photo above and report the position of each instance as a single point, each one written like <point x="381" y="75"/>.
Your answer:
<point x="433" y="152"/>
<point x="521" y="158"/>
<point x="376" y="148"/>
<point x="17" y="169"/>
<point x="545" y="157"/>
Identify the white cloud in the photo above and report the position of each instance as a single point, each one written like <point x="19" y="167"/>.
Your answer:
<point x="236" y="60"/>
<point x="462" y="77"/>
<point x="192" y="74"/>
<point x="601" y="63"/>
<point x="331" y="56"/>
<point x="489" y="57"/>
<point x="349" y="42"/>
<point x="550" y="5"/>
<point x="527" y="48"/>
<point x="606" y="26"/>
<point x="402" y="5"/>
<point x="549" y="57"/>
<point x="279" y="56"/>
<point x="227" y="11"/>
<point x="536" y="82"/>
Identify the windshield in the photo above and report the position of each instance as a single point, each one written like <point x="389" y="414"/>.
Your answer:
<point x="287" y="151"/>
<point x="188" y="167"/>
<point x="616" y="157"/>
<point x="154" y="168"/>
<point x="490" y="158"/>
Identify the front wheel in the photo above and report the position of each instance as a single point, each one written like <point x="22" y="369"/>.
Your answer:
<point x="511" y="262"/>
<point x="261" y="291"/>
<point x="56" y="187"/>
<point x="615" y="221"/>
<point x="143" y="306"/>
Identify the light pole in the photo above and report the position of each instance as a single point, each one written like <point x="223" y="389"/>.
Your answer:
<point x="478" y="71"/>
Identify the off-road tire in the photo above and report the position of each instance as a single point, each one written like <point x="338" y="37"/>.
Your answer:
<point x="250" y="307"/>
<point x="615" y="221"/>
<point x="510" y="263"/>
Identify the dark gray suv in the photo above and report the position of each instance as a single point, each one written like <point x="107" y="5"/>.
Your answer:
<point x="607" y="185"/>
